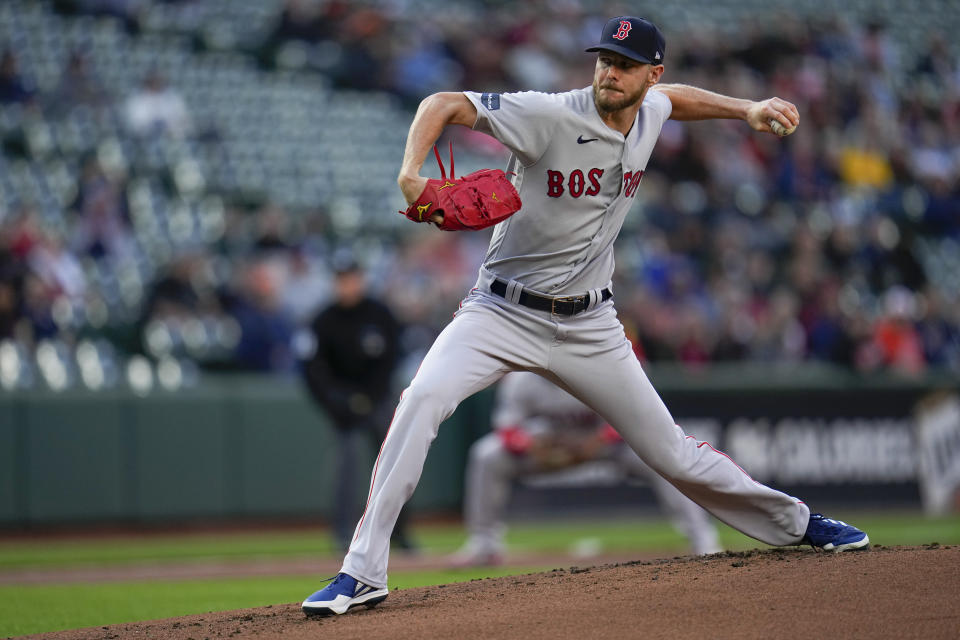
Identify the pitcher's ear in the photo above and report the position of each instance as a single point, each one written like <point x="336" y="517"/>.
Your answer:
<point x="655" y="72"/>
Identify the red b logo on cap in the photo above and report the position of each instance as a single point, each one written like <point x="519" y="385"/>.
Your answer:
<point x="625" y="27"/>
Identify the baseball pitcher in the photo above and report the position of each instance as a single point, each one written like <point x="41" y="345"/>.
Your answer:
<point x="543" y="300"/>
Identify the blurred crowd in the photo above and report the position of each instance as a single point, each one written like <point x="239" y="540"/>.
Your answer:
<point x="840" y="243"/>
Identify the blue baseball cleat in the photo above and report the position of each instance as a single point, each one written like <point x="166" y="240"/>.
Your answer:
<point x="833" y="535"/>
<point x="342" y="594"/>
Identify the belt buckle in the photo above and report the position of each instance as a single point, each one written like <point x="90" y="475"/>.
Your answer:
<point x="572" y="299"/>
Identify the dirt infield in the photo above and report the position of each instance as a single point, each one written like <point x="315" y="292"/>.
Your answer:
<point x="887" y="592"/>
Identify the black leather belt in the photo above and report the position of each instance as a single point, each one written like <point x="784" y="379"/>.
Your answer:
<point x="565" y="306"/>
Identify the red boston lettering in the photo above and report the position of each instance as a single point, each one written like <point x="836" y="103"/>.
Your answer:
<point x="594" y="175"/>
<point x="576" y="183"/>
<point x="554" y="183"/>
<point x="631" y="180"/>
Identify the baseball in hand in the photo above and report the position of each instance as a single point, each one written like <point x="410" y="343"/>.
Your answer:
<point x="779" y="129"/>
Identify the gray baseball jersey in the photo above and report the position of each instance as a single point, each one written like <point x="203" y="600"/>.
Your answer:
<point x="577" y="179"/>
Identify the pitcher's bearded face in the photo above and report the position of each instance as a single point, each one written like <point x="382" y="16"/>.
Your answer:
<point x="619" y="82"/>
<point x="612" y="98"/>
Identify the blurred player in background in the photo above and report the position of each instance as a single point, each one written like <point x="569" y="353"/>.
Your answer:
<point x="538" y="428"/>
<point x="349" y="375"/>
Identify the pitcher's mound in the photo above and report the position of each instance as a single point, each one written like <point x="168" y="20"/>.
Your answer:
<point x="886" y="592"/>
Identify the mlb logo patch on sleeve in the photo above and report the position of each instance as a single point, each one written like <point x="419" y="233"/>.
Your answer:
<point x="491" y="101"/>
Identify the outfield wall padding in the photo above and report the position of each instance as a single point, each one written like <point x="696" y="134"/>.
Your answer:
<point x="257" y="447"/>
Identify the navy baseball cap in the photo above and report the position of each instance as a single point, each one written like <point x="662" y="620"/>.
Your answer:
<point x="635" y="38"/>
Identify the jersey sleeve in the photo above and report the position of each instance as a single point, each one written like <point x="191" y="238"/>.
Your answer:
<point x="521" y="121"/>
<point x="660" y="103"/>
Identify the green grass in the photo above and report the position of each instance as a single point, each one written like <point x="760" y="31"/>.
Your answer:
<point x="56" y="552"/>
<point x="884" y="528"/>
<point x="41" y="608"/>
<point x="226" y="547"/>
<point x="37" y="608"/>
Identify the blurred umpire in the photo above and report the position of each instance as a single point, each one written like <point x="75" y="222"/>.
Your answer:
<point x="349" y="375"/>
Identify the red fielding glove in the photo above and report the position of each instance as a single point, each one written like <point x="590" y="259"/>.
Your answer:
<point x="475" y="201"/>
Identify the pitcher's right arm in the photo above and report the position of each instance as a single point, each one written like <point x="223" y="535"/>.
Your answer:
<point x="434" y="113"/>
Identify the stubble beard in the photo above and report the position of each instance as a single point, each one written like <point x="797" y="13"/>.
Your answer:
<point x="608" y="104"/>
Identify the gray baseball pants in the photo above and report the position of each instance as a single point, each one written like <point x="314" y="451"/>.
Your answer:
<point x="589" y="356"/>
